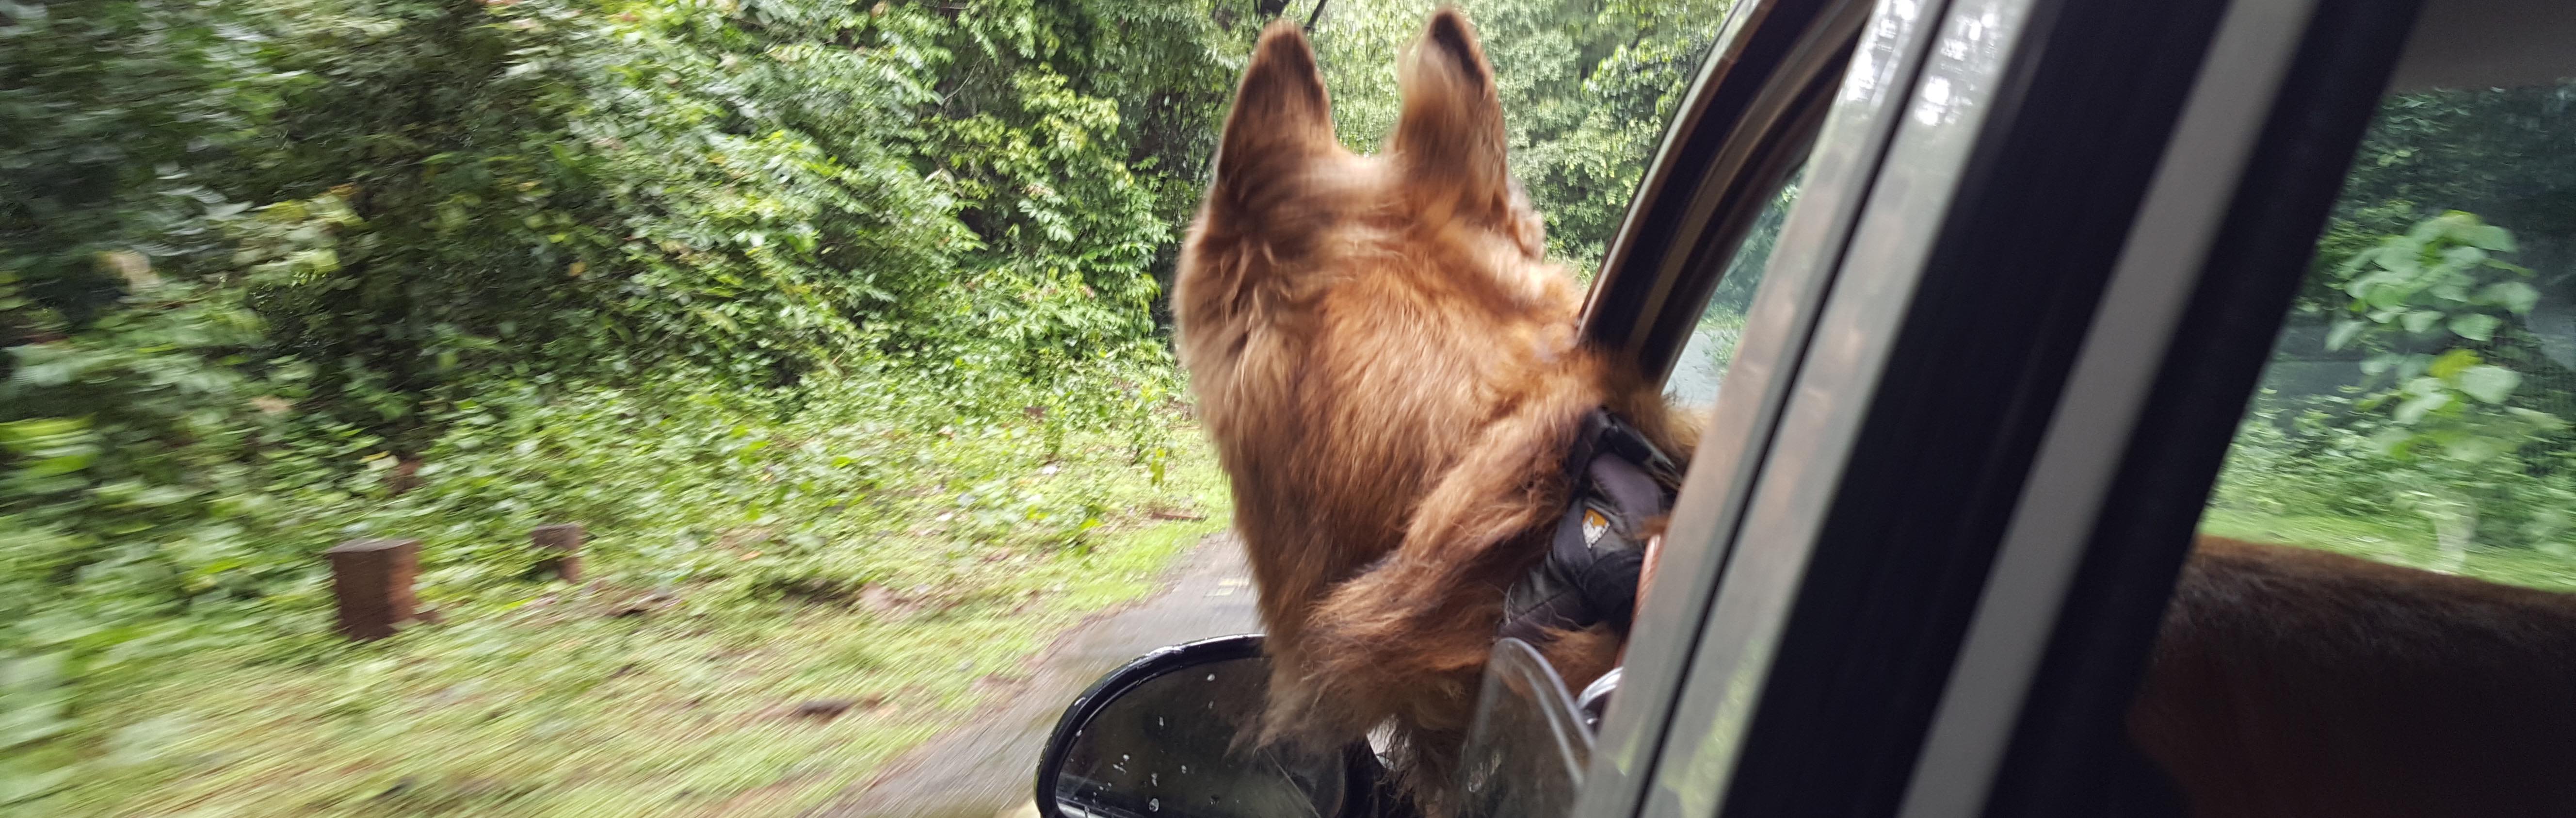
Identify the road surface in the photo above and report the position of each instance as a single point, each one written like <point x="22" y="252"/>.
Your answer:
<point x="987" y="767"/>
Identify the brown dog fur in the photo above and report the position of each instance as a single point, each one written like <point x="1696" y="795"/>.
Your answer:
<point x="2290" y="683"/>
<point x="1389" y="370"/>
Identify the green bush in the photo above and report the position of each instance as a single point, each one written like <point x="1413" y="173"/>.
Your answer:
<point x="2431" y="427"/>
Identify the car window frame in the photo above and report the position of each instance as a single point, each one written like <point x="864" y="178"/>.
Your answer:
<point x="2332" y="120"/>
<point x="2065" y="746"/>
<point x="1745" y="120"/>
<point x="1814" y="611"/>
<point x="1783" y="59"/>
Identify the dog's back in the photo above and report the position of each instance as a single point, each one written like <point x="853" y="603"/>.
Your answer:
<point x="2290" y="682"/>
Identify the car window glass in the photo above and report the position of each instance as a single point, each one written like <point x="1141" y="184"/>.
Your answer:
<point x="1702" y="365"/>
<point x="2417" y="406"/>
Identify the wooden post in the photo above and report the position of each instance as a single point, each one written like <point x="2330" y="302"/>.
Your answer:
<point x="371" y="580"/>
<point x="559" y="550"/>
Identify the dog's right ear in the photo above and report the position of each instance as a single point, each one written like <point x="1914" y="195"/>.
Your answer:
<point x="1449" y="138"/>
<point x="1281" y="121"/>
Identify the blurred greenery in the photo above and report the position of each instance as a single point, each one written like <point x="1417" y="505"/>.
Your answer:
<point x="790" y="303"/>
<point x="2441" y="293"/>
<point x="837" y="324"/>
<point x="1587" y="88"/>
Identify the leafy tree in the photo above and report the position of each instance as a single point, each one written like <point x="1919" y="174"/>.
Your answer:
<point x="2449" y="422"/>
<point x="1587" y="87"/>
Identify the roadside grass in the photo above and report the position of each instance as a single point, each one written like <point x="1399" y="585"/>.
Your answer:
<point x="555" y="706"/>
<point x="2407" y="541"/>
<point x="733" y="651"/>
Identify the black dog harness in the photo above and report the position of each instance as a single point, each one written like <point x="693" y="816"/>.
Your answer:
<point x="1590" y="574"/>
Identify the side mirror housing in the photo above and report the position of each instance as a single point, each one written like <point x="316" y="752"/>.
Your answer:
<point x="1170" y="735"/>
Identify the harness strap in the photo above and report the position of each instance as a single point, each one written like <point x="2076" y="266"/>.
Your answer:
<point x="1620" y="480"/>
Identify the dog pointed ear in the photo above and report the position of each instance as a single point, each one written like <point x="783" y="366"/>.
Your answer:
<point x="1281" y="121"/>
<point x="1449" y="138"/>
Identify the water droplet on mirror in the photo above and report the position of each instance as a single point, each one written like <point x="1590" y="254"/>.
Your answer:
<point x="1211" y="677"/>
<point x="1153" y="805"/>
<point x="1185" y="769"/>
<point x="1154" y="779"/>
<point x="1158" y="721"/>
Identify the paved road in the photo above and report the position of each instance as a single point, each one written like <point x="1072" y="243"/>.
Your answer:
<point x="985" y="768"/>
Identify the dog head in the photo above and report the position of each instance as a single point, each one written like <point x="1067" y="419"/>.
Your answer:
<point x="1348" y="320"/>
<point x="1351" y="323"/>
<point x="1291" y="212"/>
<point x="1383" y="357"/>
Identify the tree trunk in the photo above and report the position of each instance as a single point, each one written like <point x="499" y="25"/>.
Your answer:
<point x="2455" y="528"/>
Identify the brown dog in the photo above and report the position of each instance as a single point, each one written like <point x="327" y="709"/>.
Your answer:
<point x="1389" y="369"/>
<point x="1390" y="373"/>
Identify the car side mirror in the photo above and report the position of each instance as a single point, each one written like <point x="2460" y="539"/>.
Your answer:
<point x="1170" y="736"/>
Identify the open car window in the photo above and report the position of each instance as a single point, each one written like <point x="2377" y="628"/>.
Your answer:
<point x="1701" y="367"/>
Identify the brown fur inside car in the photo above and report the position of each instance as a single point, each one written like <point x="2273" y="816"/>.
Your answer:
<point x="1390" y="371"/>
<point x="2291" y="682"/>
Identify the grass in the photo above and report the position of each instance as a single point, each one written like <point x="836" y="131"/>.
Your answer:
<point x="557" y="705"/>
<point x="733" y="653"/>
<point x="2405" y="541"/>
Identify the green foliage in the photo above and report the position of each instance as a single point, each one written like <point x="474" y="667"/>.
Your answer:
<point x="1587" y="89"/>
<point x="2441" y="274"/>
<point x="2504" y="153"/>
<point x="2439" y="283"/>
<point x="739" y="500"/>
<point x="583" y="189"/>
<point x="1600" y="82"/>
<point x="274" y="273"/>
<point x="2453" y="429"/>
<point x="751" y="288"/>
<point x="2435" y="426"/>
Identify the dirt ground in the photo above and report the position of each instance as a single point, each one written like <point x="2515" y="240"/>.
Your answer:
<point x="986" y="767"/>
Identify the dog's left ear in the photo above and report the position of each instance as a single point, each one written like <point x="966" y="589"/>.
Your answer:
<point x="1449" y="139"/>
<point x="1281" y="122"/>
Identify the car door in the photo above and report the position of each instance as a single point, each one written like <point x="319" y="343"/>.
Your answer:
<point x="1969" y="414"/>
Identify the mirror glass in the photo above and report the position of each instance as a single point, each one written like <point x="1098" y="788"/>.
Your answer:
<point x="1163" y="743"/>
